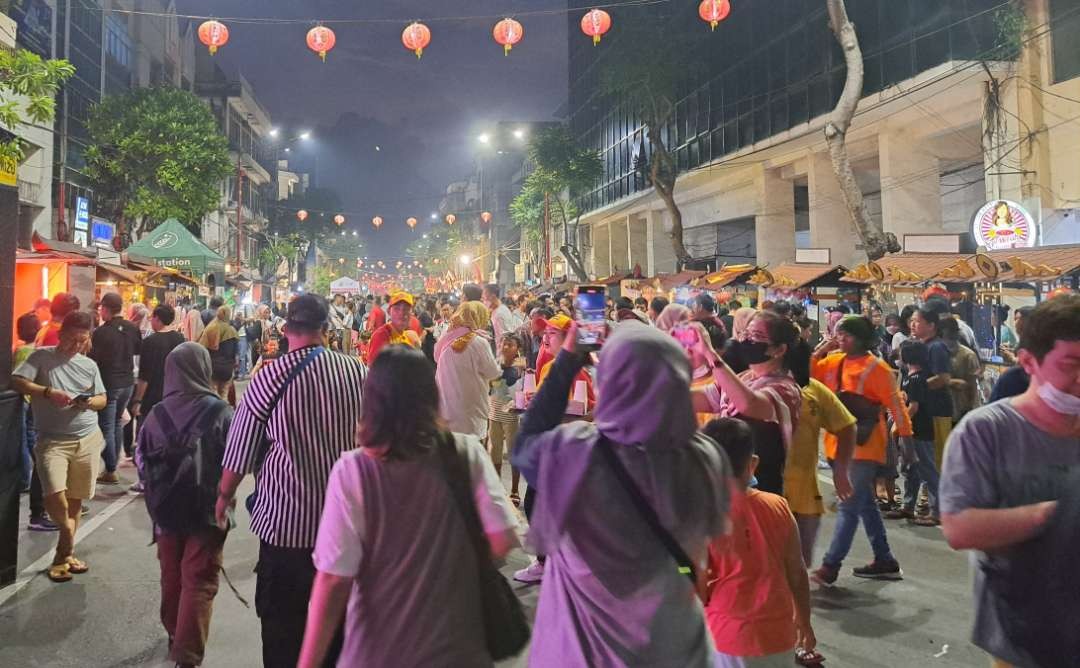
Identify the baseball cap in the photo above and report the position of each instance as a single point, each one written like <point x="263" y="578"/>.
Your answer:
<point x="558" y="321"/>
<point x="308" y="312"/>
<point x="401" y="297"/>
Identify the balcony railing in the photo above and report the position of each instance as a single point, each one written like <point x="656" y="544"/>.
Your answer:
<point x="29" y="192"/>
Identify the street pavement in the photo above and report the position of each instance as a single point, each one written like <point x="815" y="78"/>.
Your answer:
<point x="109" y="618"/>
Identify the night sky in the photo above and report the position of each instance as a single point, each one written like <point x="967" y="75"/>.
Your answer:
<point x="425" y="115"/>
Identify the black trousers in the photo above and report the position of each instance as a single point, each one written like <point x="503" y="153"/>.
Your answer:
<point x="284" y="576"/>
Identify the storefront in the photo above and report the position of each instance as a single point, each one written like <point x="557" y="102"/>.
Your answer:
<point x="171" y="245"/>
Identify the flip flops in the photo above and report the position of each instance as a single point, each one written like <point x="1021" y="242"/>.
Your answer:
<point x="810" y="658"/>
<point x="76" y="566"/>
<point x="60" y="573"/>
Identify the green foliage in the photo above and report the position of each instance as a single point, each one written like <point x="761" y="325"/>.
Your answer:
<point x="271" y="255"/>
<point x="26" y="74"/>
<point x="1011" y="22"/>
<point x="443" y="243"/>
<point x="157" y="153"/>
<point x="320" y="279"/>
<point x="562" y="170"/>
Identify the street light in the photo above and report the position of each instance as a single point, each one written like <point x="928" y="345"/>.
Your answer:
<point x="465" y="260"/>
<point x="484" y="138"/>
<point x="519" y="133"/>
<point x="434" y="216"/>
<point x="305" y="135"/>
<point x="274" y="132"/>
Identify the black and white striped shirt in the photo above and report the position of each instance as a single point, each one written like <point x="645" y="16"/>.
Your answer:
<point x="314" y="422"/>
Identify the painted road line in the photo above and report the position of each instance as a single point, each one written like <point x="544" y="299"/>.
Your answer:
<point x="39" y="567"/>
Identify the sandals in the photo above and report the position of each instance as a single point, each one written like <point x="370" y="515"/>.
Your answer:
<point x="77" y="566"/>
<point x="810" y="658"/>
<point x="926" y="521"/>
<point x="59" y="573"/>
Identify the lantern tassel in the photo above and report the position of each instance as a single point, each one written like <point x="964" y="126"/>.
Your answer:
<point x="506" y="49"/>
<point x="322" y="54"/>
<point x="595" y="40"/>
<point x="419" y="52"/>
<point x="713" y="24"/>
<point x="213" y="49"/>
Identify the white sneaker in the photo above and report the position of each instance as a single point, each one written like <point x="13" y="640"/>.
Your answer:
<point x="532" y="574"/>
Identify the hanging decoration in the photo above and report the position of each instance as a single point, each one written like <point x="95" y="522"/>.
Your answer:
<point x="451" y="219"/>
<point x="595" y="24"/>
<point x="714" y="11"/>
<point x="213" y="34"/>
<point x="508" y="32"/>
<point x="301" y="215"/>
<point x="416" y="37"/>
<point x="339" y="220"/>
<point x="321" y="40"/>
<point x="377" y="222"/>
<point x="486" y="217"/>
<point x="411" y="222"/>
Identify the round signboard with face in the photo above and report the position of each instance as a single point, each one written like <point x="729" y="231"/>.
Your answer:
<point x="1003" y="224"/>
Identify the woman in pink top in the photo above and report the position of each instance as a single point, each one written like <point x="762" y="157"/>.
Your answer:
<point x="757" y="602"/>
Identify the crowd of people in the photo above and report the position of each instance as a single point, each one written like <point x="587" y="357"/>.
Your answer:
<point x="670" y="474"/>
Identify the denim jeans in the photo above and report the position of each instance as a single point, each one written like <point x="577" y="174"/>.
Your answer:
<point x="26" y="461"/>
<point x="862" y="505"/>
<point x="243" y="354"/>
<point x="922" y="471"/>
<point x="37" y="494"/>
<point x="109" y="420"/>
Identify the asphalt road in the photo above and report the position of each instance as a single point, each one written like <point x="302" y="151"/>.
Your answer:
<point x="109" y="618"/>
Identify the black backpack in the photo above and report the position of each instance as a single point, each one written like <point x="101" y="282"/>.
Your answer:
<point x="181" y="471"/>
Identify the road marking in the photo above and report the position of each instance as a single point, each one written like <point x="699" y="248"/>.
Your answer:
<point x="38" y="567"/>
<point x="825" y="478"/>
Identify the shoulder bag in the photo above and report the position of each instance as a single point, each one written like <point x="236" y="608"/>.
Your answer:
<point x="505" y="627"/>
<point x="685" y="563"/>
<point x="867" y="413"/>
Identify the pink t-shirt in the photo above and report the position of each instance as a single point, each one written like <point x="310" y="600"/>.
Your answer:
<point x="781" y="389"/>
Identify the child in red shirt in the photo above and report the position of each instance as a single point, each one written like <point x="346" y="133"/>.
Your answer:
<point x="758" y="594"/>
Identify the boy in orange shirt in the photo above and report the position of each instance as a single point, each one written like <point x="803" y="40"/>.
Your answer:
<point x="758" y="594"/>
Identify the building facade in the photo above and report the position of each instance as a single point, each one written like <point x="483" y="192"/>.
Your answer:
<point x="952" y="115"/>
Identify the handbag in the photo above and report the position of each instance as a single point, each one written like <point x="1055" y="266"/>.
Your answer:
<point x="867" y="413"/>
<point x="685" y="563"/>
<point x="506" y="629"/>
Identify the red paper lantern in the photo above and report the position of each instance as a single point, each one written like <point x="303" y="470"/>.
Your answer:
<point x="486" y="217"/>
<point x="321" y="39"/>
<point x="411" y="222"/>
<point x="377" y="222"/>
<point x="508" y="32"/>
<point x="302" y="215"/>
<point x="416" y="37"/>
<point x="714" y="11"/>
<point x="339" y="220"/>
<point x="451" y="219"/>
<point x="213" y="34"/>
<point x="595" y="23"/>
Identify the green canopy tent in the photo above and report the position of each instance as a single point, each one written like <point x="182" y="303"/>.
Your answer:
<point x="170" y="244"/>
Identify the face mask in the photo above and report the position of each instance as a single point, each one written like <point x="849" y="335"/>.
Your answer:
<point x="754" y="352"/>
<point x="1061" y="402"/>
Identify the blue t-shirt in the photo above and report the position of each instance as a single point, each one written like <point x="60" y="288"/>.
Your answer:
<point x="914" y="386"/>
<point x="939" y="400"/>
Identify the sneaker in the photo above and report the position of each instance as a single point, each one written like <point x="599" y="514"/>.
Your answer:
<point x="879" y="570"/>
<point x="926" y="521"/>
<point x="42" y="524"/>
<point x="137" y="488"/>
<point x="108" y="478"/>
<point x="531" y="575"/>
<point x="825" y="575"/>
<point x="898" y="514"/>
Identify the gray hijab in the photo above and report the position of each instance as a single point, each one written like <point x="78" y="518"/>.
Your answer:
<point x="187" y="382"/>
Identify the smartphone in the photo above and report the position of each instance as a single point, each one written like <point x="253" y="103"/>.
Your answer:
<point x="591" y="315"/>
<point x="83" y="398"/>
<point x="686" y="335"/>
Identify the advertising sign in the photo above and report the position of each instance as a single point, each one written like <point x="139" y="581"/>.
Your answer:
<point x="102" y="232"/>
<point x="1002" y="225"/>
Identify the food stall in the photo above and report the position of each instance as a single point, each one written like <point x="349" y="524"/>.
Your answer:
<point x="730" y="282"/>
<point x="170" y="244"/>
<point x="674" y="287"/>
<point x="817" y="286"/>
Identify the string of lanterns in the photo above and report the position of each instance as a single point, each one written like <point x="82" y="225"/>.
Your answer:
<point x="377" y="222"/>
<point x="416" y="36"/>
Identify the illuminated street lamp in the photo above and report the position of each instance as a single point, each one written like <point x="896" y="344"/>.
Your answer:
<point x="465" y="260"/>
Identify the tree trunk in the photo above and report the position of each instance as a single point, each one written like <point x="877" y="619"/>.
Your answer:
<point x="875" y="242"/>
<point x="663" y="175"/>
<point x="570" y="250"/>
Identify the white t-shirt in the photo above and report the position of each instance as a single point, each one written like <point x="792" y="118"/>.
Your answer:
<point x="464" y="381"/>
<point x="502" y="321"/>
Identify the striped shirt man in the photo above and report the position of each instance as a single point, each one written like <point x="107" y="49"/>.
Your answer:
<point x="313" y="423"/>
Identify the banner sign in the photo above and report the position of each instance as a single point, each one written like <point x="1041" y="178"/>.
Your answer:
<point x="1002" y="225"/>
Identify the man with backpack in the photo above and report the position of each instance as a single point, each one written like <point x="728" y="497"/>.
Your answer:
<point x="180" y="450"/>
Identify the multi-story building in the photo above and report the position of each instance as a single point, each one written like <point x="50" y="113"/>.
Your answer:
<point x="949" y="119"/>
<point x="235" y="229"/>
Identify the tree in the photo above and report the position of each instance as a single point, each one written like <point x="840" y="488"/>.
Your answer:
<point x="156" y="153"/>
<point x="875" y="241"/>
<point x="645" y="70"/>
<point x="287" y="230"/>
<point x="26" y="75"/>
<point x="562" y="170"/>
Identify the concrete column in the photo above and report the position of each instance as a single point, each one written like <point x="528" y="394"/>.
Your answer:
<point x="639" y="243"/>
<point x="774" y="222"/>
<point x="830" y="225"/>
<point x="602" y="249"/>
<point x="661" y="255"/>
<point x="620" y="244"/>
<point x="910" y="185"/>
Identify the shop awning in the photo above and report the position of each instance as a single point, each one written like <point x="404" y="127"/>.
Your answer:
<point x="161" y="274"/>
<point x="113" y="272"/>
<point x="1045" y="263"/>
<point x="170" y="244"/>
<point x="795" y="275"/>
<point x="916" y="269"/>
<point x="725" y="276"/>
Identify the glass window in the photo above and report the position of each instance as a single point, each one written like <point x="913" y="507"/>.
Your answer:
<point x="1064" y="28"/>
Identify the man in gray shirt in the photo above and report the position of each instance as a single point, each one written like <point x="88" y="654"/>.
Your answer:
<point x="1006" y="467"/>
<point x="65" y="390"/>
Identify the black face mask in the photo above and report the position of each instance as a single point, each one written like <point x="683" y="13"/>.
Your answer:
<point x="754" y="352"/>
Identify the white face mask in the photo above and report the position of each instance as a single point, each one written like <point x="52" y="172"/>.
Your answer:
<point x="1061" y="402"/>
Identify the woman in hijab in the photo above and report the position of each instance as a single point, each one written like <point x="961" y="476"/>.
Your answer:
<point x="221" y="339"/>
<point x="739" y="324"/>
<point x="465" y="367"/>
<point x="189" y="551"/>
<point x="612" y="593"/>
